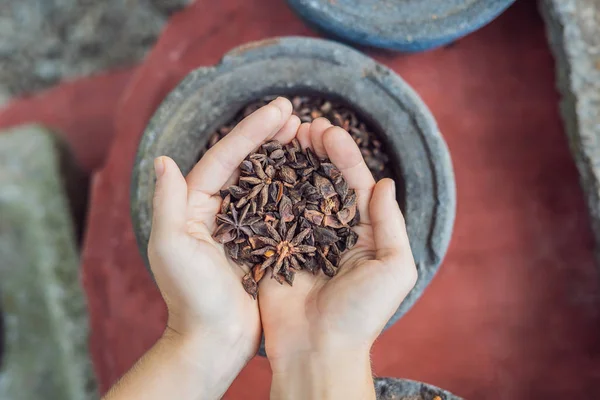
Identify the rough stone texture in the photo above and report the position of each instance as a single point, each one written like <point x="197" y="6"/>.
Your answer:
<point x="407" y="25"/>
<point x="43" y="309"/>
<point x="45" y="41"/>
<point x="420" y="161"/>
<point x="573" y="29"/>
<point x="404" y="389"/>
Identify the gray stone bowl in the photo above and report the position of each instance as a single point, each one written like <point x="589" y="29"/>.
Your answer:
<point x="404" y="389"/>
<point x="210" y="96"/>
<point x="402" y="25"/>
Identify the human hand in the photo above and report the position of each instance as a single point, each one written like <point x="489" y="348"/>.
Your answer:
<point x="322" y="327"/>
<point x="202" y="288"/>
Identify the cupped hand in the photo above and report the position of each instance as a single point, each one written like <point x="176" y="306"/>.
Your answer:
<point x="201" y="287"/>
<point x="346" y="313"/>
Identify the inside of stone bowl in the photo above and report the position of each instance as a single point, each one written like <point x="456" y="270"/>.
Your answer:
<point x="237" y="113"/>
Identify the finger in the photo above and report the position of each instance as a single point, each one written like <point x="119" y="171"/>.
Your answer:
<point x="303" y="135"/>
<point x="288" y="131"/>
<point x="317" y="128"/>
<point x="391" y="276"/>
<point x="170" y="197"/>
<point x="220" y="162"/>
<point x="345" y="154"/>
<point x="389" y="229"/>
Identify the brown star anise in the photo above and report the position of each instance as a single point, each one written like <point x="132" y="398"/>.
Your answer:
<point x="260" y="184"/>
<point x="283" y="250"/>
<point x="336" y="205"/>
<point x="234" y="224"/>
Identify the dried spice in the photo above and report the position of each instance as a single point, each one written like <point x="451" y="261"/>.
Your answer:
<point x="289" y="211"/>
<point x="307" y="109"/>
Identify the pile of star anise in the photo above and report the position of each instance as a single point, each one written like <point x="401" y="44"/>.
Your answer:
<point x="308" y="108"/>
<point x="290" y="211"/>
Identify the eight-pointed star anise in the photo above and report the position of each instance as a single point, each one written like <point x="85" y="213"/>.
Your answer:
<point x="232" y="226"/>
<point x="260" y="184"/>
<point x="283" y="250"/>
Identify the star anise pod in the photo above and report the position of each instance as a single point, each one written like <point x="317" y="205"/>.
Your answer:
<point x="250" y="285"/>
<point x="260" y="184"/>
<point x="332" y="209"/>
<point x="275" y="153"/>
<point x="283" y="250"/>
<point x="232" y="225"/>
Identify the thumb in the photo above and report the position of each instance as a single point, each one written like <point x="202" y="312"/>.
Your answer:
<point x="170" y="197"/>
<point x="389" y="230"/>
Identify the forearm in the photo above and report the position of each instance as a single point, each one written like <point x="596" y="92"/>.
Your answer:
<point x="344" y="375"/>
<point x="180" y="367"/>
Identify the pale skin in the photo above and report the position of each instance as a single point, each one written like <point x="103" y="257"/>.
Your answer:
<point x="318" y="333"/>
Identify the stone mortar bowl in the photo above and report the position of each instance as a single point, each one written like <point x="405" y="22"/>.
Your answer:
<point x="404" y="389"/>
<point x="403" y="25"/>
<point x="210" y="96"/>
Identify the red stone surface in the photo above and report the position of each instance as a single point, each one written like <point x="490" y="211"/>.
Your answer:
<point x="514" y="311"/>
<point x="82" y="112"/>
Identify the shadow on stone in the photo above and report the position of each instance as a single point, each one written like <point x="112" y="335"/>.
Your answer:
<point x="76" y="187"/>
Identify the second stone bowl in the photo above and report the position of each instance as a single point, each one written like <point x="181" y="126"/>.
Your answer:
<point x="402" y="25"/>
<point x="211" y="96"/>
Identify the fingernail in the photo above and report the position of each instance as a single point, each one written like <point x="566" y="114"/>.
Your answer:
<point x="159" y="167"/>
<point x="393" y="189"/>
<point x="281" y="103"/>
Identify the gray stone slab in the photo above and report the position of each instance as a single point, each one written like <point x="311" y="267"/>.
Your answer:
<point x="43" y="307"/>
<point x="573" y="29"/>
<point x="45" y="41"/>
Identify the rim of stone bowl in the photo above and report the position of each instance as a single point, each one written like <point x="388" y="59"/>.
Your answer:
<point x="408" y="389"/>
<point x="406" y="26"/>
<point x="209" y="97"/>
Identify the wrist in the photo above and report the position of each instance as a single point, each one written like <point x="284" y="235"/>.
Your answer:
<point x="331" y="374"/>
<point x="203" y="337"/>
<point x="211" y="358"/>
